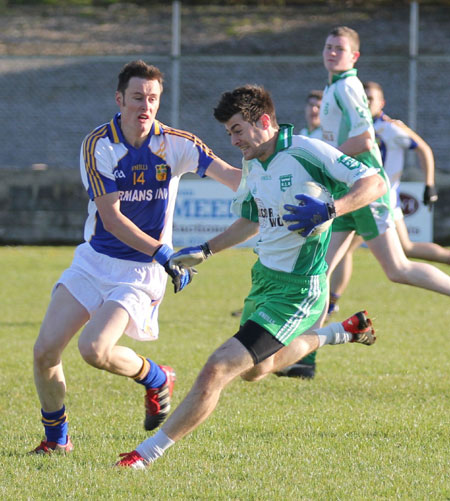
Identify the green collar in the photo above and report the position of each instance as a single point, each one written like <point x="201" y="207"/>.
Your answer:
<point x="284" y="137"/>
<point x="349" y="73"/>
<point x="284" y="140"/>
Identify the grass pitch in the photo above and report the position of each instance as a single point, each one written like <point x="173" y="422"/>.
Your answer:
<point x="373" y="424"/>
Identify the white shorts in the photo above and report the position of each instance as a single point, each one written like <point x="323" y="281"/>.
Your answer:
<point x="95" y="278"/>
<point x="396" y="204"/>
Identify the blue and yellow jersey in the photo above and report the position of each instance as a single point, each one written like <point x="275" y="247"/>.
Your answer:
<point x="145" y="178"/>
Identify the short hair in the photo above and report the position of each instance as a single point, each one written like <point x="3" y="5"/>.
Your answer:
<point x="345" y="31"/>
<point x="252" y="101"/>
<point x="138" y="69"/>
<point x="316" y="94"/>
<point x="373" y="85"/>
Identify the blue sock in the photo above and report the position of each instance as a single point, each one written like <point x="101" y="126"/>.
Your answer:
<point x="56" y="426"/>
<point x="333" y="307"/>
<point x="155" y="377"/>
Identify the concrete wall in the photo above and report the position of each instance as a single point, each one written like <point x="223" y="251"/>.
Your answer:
<point x="41" y="206"/>
<point x="50" y="206"/>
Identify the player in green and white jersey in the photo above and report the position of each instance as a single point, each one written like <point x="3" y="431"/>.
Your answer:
<point x="347" y="124"/>
<point x="289" y="291"/>
<point x="312" y="115"/>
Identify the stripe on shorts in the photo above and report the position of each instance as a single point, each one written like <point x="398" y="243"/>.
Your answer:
<point x="303" y="311"/>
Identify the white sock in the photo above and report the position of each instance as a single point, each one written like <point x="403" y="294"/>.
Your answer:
<point x="333" y="334"/>
<point x="154" y="447"/>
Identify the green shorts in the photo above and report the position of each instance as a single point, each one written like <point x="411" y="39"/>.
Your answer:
<point x="284" y="304"/>
<point x="369" y="221"/>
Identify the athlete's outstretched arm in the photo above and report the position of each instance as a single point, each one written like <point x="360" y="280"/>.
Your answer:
<point x="224" y="173"/>
<point x="424" y="152"/>
<point x="362" y="193"/>
<point x="240" y="231"/>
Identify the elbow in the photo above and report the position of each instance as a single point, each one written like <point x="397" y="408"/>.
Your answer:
<point x="234" y="186"/>
<point x="367" y="144"/>
<point x="109" y="224"/>
<point x="236" y="180"/>
<point x="381" y="186"/>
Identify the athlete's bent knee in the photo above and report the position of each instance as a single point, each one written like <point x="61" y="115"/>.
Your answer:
<point x="397" y="275"/>
<point x="45" y="356"/>
<point x="92" y="355"/>
<point x="44" y="359"/>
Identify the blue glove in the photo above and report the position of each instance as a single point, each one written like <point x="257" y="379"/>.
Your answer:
<point x="310" y="213"/>
<point x="190" y="256"/>
<point x="181" y="276"/>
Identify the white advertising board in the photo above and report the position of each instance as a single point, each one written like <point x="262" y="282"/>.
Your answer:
<point x="418" y="217"/>
<point x="202" y="211"/>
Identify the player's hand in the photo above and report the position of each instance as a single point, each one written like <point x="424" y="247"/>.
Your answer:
<point x="191" y="256"/>
<point x="308" y="214"/>
<point x="181" y="276"/>
<point x="430" y="195"/>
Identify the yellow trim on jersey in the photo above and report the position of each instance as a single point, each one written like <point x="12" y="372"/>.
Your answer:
<point x="90" y="162"/>
<point x="192" y="137"/>
<point x="114" y="131"/>
<point x="157" y="130"/>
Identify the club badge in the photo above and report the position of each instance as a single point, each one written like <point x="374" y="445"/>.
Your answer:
<point x="161" y="172"/>
<point x="285" y="182"/>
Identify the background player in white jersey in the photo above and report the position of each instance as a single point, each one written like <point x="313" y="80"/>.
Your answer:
<point x="347" y="124"/>
<point x="289" y="288"/>
<point x="312" y="115"/>
<point x="130" y="168"/>
<point x="394" y="139"/>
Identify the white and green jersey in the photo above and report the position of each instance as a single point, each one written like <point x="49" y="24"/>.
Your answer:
<point x="296" y="159"/>
<point x="315" y="133"/>
<point x="344" y="113"/>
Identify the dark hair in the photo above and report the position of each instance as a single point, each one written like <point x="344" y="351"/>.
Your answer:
<point x="345" y="31"/>
<point x="252" y="101"/>
<point x="316" y="94"/>
<point x="373" y="85"/>
<point x="138" y="69"/>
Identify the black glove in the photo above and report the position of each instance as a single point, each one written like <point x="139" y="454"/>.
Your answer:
<point x="430" y="195"/>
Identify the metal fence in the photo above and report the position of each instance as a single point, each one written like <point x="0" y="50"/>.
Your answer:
<point x="48" y="104"/>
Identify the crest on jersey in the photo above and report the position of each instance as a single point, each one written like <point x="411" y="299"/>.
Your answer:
<point x="161" y="172"/>
<point x="285" y="182"/>
<point x="349" y="162"/>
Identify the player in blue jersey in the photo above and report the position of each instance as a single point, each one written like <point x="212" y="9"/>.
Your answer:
<point x="289" y="287"/>
<point x="130" y="168"/>
<point x="394" y="139"/>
